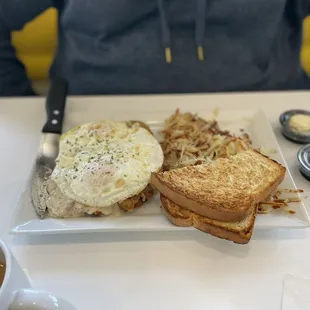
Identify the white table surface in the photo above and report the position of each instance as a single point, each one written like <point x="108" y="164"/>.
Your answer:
<point x="178" y="270"/>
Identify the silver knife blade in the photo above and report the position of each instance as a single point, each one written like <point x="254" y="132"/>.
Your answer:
<point x="49" y="144"/>
<point x="44" y="165"/>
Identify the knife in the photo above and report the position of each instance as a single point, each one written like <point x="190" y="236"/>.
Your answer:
<point x="49" y="144"/>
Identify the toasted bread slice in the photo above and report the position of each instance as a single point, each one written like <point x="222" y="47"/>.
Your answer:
<point x="238" y="232"/>
<point x="224" y="190"/>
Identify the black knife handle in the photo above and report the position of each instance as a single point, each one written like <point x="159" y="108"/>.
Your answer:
<point x="55" y="105"/>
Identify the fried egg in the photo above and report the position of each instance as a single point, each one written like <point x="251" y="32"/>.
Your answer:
<point x="103" y="163"/>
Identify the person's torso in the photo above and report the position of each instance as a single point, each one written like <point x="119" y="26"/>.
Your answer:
<point x="116" y="46"/>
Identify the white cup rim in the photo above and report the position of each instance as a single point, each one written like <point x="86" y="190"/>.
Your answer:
<point x="7" y="257"/>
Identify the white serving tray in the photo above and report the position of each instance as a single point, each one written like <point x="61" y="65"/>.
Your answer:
<point x="150" y="217"/>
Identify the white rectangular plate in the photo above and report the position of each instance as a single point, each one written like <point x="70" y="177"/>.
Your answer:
<point x="149" y="217"/>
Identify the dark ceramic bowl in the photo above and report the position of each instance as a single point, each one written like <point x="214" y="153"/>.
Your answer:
<point x="304" y="161"/>
<point x="288" y="132"/>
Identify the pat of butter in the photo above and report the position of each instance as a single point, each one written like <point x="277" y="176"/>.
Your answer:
<point x="300" y="123"/>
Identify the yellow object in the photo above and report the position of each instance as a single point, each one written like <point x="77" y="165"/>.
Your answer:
<point x="200" y="53"/>
<point x="168" y="55"/>
<point x="305" y="52"/>
<point x="300" y="123"/>
<point x="36" y="44"/>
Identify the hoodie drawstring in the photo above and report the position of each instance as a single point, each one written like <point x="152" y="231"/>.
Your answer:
<point x="165" y="30"/>
<point x="199" y="29"/>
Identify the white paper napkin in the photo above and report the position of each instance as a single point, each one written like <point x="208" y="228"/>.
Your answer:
<point x="296" y="293"/>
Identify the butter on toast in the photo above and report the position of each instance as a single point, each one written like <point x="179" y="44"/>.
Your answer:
<point x="238" y="232"/>
<point x="223" y="190"/>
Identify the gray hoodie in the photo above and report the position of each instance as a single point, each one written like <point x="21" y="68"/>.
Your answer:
<point x="164" y="46"/>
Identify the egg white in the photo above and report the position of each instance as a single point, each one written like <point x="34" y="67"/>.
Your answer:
<point x="103" y="163"/>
